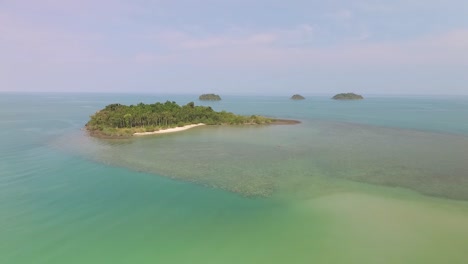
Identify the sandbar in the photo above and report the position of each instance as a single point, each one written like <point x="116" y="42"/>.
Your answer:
<point x="168" y="130"/>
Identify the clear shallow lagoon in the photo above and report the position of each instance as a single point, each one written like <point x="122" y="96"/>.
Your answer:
<point x="383" y="180"/>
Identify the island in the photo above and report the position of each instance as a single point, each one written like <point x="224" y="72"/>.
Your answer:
<point x="117" y="120"/>
<point x="209" y="97"/>
<point x="347" y="96"/>
<point x="297" y="97"/>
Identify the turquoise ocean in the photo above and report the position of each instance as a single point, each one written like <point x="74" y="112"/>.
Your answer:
<point x="382" y="180"/>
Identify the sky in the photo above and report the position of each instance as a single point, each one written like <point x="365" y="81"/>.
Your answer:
<point x="235" y="46"/>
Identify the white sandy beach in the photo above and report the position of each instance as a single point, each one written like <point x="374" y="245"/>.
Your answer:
<point x="169" y="130"/>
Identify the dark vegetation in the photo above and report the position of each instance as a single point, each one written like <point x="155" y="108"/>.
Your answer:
<point x="209" y="97"/>
<point x="347" y="96"/>
<point x="117" y="120"/>
<point x="297" y="97"/>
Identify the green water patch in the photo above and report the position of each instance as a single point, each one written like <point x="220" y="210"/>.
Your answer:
<point x="72" y="209"/>
<point x="104" y="214"/>
<point x="381" y="229"/>
<point x="259" y="161"/>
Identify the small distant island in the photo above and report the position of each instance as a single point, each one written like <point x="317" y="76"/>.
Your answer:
<point x="209" y="97"/>
<point x="347" y="96"/>
<point x="120" y="121"/>
<point x="297" y="97"/>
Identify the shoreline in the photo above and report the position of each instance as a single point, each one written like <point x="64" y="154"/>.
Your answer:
<point x="186" y="127"/>
<point x="168" y="130"/>
<point x="285" y="122"/>
<point x="99" y="134"/>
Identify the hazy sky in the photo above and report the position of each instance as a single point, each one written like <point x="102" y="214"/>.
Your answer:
<point x="235" y="46"/>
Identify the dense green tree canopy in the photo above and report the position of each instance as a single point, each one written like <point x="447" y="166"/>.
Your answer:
<point x="209" y="97"/>
<point x="118" y="119"/>
<point x="347" y="96"/>
<point x="297" y="97"/>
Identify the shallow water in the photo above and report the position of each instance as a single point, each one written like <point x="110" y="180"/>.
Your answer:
<point x="258" y="161"/>
<point x="382" y="180"/>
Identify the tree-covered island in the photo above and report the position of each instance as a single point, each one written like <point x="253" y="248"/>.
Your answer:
<point x="209" y="97"/>
<point x="117" y="120"/>
<point x="347" y="96"/>
<point x="297" y="97"/>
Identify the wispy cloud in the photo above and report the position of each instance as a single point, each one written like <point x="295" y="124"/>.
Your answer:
<point x="341" y="15"/>
<point x="274" y="49"/>
<point x="113" y="42"/>
<point x="23" y="41"/>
